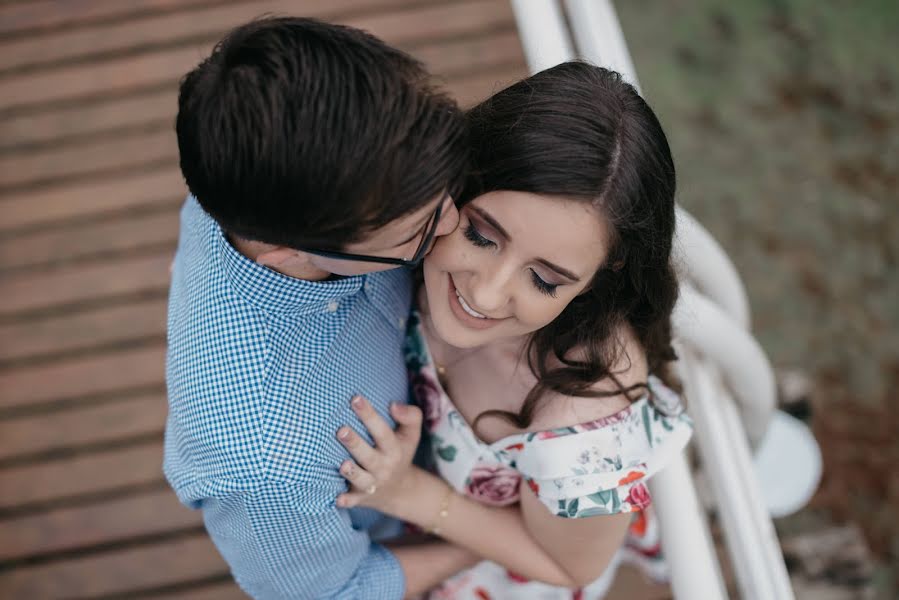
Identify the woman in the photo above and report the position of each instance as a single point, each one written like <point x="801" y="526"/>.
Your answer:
<point x="541" y="344"/>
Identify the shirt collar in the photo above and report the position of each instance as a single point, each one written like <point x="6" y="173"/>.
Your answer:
<point x="274" y="292"/>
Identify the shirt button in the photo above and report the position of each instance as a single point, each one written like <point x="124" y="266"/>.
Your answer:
<point x="332" y="306"/>
<point x="401" y="322"/>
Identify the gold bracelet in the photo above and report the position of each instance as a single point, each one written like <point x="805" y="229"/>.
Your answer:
<point x="434" y="529"/>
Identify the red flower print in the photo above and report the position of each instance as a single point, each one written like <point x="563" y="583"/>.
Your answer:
<point x="428" y="397"/>
<point x="493" y="484"/>
<point x="515" y="447"/>
<point x="632" y="476"/>
<point x="481" y="593"/>
<point x="638" y="525"/>
<point x="535" y="487"/>
<point x="516" y="577"/>
<point x="638" y="497"/>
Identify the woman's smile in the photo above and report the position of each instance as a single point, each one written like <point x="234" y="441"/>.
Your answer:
<point x="463" y="311"/>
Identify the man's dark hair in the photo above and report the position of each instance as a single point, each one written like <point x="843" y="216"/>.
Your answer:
<point x="306" y="134"/>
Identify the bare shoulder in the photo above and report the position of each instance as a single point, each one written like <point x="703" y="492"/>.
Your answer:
<point x="630" y="369"/>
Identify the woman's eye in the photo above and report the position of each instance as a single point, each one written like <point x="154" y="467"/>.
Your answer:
<point x="544" y="288"/>
<point x="475" y="237"/>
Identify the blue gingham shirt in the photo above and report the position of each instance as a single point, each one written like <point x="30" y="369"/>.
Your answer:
<point x="260" y="371"/>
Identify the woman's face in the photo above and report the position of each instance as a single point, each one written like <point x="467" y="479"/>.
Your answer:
<point x="514" y="263"/>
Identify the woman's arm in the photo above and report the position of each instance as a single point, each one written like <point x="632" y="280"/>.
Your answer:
<point x="428" y="564"/>
<point x="383" y="478"/>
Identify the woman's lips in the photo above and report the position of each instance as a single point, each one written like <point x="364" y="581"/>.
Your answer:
<point x="462" y="315"/>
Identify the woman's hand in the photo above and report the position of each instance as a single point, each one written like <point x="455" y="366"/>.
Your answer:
<point x="382" y="476"/>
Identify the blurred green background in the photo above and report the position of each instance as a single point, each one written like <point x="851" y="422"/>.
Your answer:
<point x="783" y="117"/>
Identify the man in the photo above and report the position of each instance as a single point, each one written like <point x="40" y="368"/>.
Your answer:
<point x="318" y="159"/>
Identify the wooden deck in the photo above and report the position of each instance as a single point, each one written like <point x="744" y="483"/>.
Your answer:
<point x="89" y="194"/>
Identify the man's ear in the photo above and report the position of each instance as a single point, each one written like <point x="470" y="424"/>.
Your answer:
<point x="281" y="255"/>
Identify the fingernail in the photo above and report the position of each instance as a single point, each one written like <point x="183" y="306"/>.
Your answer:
<point x="343" y="433"/>
<point x="356" y="401"/>
<point x="398" y="408"/>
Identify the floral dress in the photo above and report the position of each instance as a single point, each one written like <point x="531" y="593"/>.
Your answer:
<point x="587" y="470"/>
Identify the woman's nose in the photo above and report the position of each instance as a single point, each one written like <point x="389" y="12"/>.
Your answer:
<point x="489" y="293"/>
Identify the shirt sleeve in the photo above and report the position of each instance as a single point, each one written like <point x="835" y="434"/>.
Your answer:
<point x="285" y="541"/>
<point x="604" y="471"/>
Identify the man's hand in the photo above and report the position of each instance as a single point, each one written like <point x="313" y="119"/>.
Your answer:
<point x="381" y="477"/>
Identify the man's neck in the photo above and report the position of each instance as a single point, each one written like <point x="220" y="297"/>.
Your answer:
<point x="253" y="250"/>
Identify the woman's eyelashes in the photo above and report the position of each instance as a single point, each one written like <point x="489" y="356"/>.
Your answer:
<point x="474" y="236"/>
<point x="544" y="288"/>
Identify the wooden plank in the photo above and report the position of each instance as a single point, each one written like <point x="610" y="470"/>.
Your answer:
<point x="76" y="426"/>
<point x="157" y="187"/>
<point x="21" y="17"/>
<point x="74" y="121"/>
<point x="136" y="149"/>
<point x="131" y="151"/>
<point x="471" y="90"/>
<point x="53" y="204"/>
<point x="117" y="571"/>
<point x="91" y="239"/>
<point x="83" y="376"/>
<point x="115" y="520"/>
<point x="222" y="591"/>
<point x="34" y="291"/>
<point x="82" y="474"/>
<point x="198" y="27"/>
<point x="83" y="330"/>
<point x="118" y="74"/>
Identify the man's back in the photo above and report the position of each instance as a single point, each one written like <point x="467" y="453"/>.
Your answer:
<point x="261" y="368"/>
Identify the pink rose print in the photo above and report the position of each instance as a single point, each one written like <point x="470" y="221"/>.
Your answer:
<point x="638" y="497"/>
<point x="493" y="484"/>
<point x="428" y="396"/>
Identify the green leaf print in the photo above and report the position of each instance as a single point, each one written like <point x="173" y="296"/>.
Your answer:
<point x="562" y="514"/>
<point x="593" y="511"/>
<point x="646" y="424"/>
<point x="561" y="505"/>
<point x="601" y="497"/>
<point x="572" y="507"/>
<point x="616" y="503"/>
<point x="447" y="453"/>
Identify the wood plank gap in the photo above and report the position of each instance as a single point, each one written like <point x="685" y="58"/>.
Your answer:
<point x="76" y="139"/>
<point x="347" y="10"/>
<point x="87" y="175"/>
<point x="37" y="507"/>
<point x="56" y="310"/>
<point x="94" y="549"/>
<point x="53" y="406"/>
<point x="99" y="255"/>
<point x="8" y="33"/>
<point x="118" y="573"/>
<point x="213" y="582"/>
<point x="68" y="452"/>
<point x="100" y="96"/>
<point x="124" y="416"/>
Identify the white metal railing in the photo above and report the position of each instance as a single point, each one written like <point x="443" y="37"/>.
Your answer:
<point x="727" y="377"/>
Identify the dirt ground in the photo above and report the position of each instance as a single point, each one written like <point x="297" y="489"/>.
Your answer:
<point x="783" y="116"/>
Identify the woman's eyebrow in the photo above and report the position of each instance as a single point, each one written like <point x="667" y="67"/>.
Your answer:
<point x="491" y="221"/>
<point x="559" y="270"/>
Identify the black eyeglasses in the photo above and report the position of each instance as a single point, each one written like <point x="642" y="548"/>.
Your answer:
<point x="430" y="228"/>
